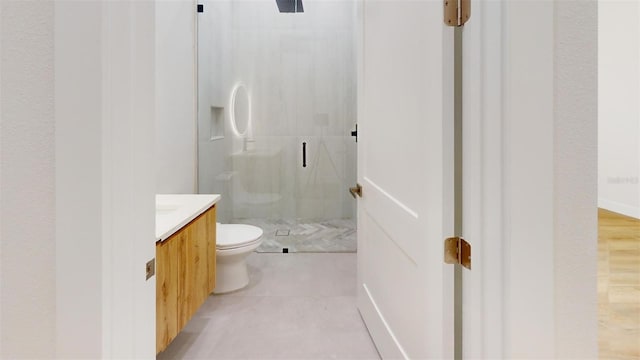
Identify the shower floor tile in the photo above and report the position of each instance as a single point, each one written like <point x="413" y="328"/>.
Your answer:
<point x="323" y="236"/>
<point x="282" y="233"/>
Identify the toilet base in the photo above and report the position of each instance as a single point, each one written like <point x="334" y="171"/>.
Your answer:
<point x="230" y="276"/>
<point x="231" y="269"/>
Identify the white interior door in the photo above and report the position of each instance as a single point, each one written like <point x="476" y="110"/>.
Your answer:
<point x="405" y="291"/>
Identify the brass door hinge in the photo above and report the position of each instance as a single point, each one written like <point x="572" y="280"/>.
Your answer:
<point x="457" y="251"/>
<point x="357" y="190"/>
<point x="456" y="12"/>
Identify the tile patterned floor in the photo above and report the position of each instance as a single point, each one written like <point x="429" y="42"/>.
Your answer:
<point x="297" y="306"/>
<point x="335" y="235"/>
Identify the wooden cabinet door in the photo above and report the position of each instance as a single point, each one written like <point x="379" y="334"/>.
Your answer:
<point x="186" y="264"/>
<point x="211" y="247"/>
<point x="185" y="277"/>
<point x="166" y="293"/>
<point x="197" y="264"/>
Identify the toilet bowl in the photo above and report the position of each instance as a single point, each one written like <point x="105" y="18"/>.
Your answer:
<point x="234" y="242"/>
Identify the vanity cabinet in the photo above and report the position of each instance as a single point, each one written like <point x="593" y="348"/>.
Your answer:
<point x="185" y="270"/>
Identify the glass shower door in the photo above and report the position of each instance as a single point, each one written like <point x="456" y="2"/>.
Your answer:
<point x="290" y="170"/>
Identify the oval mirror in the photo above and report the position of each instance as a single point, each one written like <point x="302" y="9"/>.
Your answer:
<point x="240" y="110"/>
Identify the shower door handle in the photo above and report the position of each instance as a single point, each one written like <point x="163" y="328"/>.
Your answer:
<point x="304" y="154"/>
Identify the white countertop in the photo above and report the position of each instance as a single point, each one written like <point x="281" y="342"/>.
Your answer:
<point x="174" y="211"/>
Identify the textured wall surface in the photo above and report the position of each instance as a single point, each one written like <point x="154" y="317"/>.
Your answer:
<point x="619" y="106"/>
<point x="550" y="184"/>
<point x="176" y="97"/>
<point x="529" y="179"/>
<point x="27" y="246"/>
<point x="79" y="152"/>
<point x="575" y="156"/>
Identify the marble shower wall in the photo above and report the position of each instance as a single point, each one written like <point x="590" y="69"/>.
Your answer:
<point x="300" y="72"/>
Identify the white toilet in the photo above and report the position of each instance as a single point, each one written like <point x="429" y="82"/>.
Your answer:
<point x="234" y="242"/>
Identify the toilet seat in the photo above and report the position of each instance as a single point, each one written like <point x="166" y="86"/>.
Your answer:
<point x="233" y="236"/>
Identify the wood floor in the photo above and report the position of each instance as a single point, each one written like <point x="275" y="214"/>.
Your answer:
<point x="618" y="286"/>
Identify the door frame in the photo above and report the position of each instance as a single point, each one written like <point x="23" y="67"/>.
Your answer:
<point x="555" y="305"/>
<point x="105" y="212"/>
<point x="531" y="292"/>
<point x="532" y="167"/>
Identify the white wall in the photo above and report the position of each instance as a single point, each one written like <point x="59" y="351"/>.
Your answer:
<point x="175" y="97"/>
<point x="78" y="96"/>
<point x="528" y="189"/>
<point x="531" y="293"/>
<point x="27" y="178"/>
<point x="105" y="233"/>
<point x="619" y="106"/>
<point x="575" y="222"/>
<point x="128" y="197"/>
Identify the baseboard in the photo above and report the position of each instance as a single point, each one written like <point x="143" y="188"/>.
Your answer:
<point x="384" y="339"/>
<point x="619" y="208"/>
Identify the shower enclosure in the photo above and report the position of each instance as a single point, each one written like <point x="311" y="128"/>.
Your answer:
<point x="276" y="108"/>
